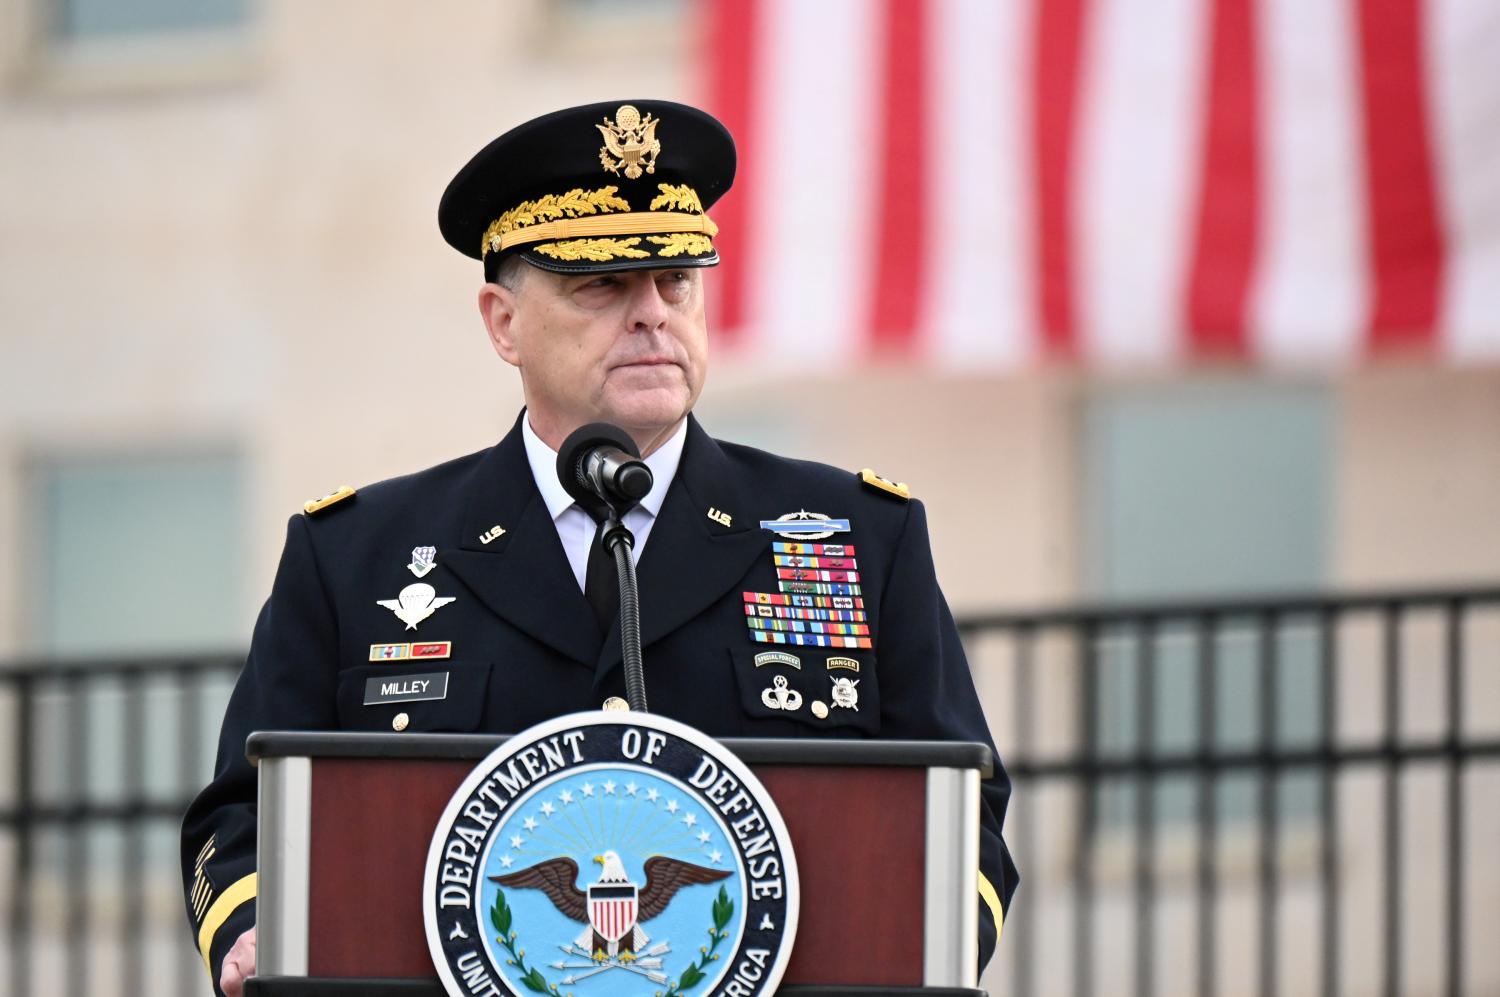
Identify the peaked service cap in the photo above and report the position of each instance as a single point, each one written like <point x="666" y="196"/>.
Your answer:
<point x="618" y="185"/>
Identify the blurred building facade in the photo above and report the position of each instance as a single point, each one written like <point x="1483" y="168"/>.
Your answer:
<point x="224" y="292"/>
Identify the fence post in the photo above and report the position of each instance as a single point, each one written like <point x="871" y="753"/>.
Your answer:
<point x="20" y="901"/>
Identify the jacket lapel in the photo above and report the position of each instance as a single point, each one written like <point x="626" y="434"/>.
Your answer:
<point x="522" y="575"/>
<point x="690" y="561"/>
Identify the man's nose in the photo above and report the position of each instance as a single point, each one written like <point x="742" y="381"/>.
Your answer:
<point x="648" y="309"/>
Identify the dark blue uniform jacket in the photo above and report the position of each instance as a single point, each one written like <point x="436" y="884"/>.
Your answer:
<point x="526" y="648"/>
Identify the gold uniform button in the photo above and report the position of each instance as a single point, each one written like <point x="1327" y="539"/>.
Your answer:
<point x="616" y="703"/>
<point x="400" y="722"/>
<point x="820" y="709"/>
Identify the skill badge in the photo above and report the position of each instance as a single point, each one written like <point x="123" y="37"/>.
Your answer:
<point x="415" y="603"/>
<point x="804" y="525"/>
<point x="780" y="696"/>
<point x="845" y="692"/>
<point x="610" y="854"/>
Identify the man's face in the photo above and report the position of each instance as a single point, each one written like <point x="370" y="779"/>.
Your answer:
<point x="625" y="348"/>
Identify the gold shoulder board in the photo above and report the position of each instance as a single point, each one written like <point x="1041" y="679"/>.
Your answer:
<point x="312" y="506"/>
<point x="896" y="488"/>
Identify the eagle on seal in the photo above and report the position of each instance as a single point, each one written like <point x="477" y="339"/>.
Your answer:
<point x="614" y="907"/>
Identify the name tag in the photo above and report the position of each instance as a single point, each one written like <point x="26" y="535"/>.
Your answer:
<point x="406" y="689"/>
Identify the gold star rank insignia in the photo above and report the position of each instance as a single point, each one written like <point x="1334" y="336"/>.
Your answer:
<point x="897" y="488"/>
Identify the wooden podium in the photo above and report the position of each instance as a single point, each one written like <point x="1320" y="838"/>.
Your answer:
<point x="886" y="837"/>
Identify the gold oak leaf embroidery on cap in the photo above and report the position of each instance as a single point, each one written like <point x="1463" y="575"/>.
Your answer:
<point x="593" y="249"/>
<point x="574" y="204"/>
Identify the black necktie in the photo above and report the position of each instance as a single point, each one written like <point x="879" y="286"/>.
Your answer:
<point x="601" y="583"/>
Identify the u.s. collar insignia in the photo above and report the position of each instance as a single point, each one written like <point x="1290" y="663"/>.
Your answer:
<point x="603" y="847"/>
<point x="415" y="603"/>
<point x="423" y="560"/>
<point x="629" y="141"/>
<point x="804" y="525"/>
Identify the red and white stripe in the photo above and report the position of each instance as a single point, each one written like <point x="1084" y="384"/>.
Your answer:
<point x="611" y="918"/>
<point x="1132" y="182"/>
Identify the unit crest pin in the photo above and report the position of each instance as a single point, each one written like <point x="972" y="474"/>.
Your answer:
<point x="423" y="560"/>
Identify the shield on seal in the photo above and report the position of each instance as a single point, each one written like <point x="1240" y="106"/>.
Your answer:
<point x="612" y="910"/>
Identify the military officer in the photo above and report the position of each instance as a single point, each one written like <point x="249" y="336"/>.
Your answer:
<point x="778" y="597"/>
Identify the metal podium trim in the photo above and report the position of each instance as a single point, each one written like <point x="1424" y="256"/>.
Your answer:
<point x="950" y="946"/>
<point x="266" y="744"/>
<point x="285" y="865"/>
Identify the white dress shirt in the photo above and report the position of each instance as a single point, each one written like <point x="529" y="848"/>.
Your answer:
<point x="575" y="528"/>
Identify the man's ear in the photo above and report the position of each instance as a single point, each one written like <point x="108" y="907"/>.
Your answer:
<point x="497" y="306"/>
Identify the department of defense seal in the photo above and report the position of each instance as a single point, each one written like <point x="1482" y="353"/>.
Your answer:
<point x="605" y="854"/>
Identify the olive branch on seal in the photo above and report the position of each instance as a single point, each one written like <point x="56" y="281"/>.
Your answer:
<point x="723" y="910"/>
<point x="500" y="917"/>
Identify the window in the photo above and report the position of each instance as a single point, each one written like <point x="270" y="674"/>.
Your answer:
<point x="129" y="556"/>
<point x="614" y="31"/>
<point x="136" y="555"/>
<point x="1206" y="488"/>
<point x="105" y="46"/>
<point x="1201" y="490"/>
<point x="95" y="19"/>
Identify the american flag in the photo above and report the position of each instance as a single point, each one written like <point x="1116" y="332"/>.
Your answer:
<point x="1120" y="183"/>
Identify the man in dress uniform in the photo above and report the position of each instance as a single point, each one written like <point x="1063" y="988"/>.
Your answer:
<point x="779" y="598"/>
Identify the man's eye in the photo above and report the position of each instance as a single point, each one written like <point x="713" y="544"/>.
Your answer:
<point x="603" y="282"/>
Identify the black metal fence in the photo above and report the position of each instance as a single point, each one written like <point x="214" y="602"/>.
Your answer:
<point x="1289" y="795"/>
<point x="102" y="759"/>
<point x="1257" y="724"/>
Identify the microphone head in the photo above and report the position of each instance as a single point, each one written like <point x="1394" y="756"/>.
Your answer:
<point x="578" y="445"/>
<point x="634" y="481"/>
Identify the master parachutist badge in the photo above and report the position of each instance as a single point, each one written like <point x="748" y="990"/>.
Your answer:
<point x="630" y="142"/>
<point x="780" y="697"/>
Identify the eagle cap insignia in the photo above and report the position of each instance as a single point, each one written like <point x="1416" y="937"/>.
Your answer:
<point x="591" y="855"/>
<point x="630" y="142"/>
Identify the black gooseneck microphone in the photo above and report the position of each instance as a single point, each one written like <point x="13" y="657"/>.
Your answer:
<point x="600" y="466"/>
